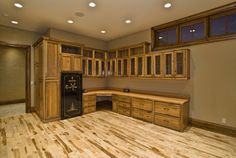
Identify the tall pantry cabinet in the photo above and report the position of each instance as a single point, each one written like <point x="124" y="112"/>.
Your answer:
<point x="47" y="79"/>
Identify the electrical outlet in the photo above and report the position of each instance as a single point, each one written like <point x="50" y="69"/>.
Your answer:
<point x="223" y="120"/>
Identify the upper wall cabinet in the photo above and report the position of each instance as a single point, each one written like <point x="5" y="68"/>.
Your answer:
<point x="111" y="63"/>
<point x="122" y="61"/>
<point x="213" y="25"/>
<point x="87" y="63"/>
<point x="71" y="58"/>
<point x="99" y="63"/>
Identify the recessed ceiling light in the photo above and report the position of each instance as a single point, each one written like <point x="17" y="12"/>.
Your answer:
<point x="103" y="31"/>
<point x="14" y="22"/>
<point x="128" y="21"/>
<point x="18" y="5"/>
<point x="167" y="5"/>
<point x="70" y="21"/>
<point x="92" y="4"/>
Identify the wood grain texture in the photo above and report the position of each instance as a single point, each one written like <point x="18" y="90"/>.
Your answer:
<point x="106" y="134"/>
<point x="137" y="95"/>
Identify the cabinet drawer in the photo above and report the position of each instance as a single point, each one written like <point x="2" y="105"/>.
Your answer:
<point x="147" y="116"/>
<point x="167" y="121"/>
<point x="124" y="99"/>
<point x="89" y="98"/>
<point x="123" y="104"/>
<point x="124" y="111"/>
<point x="136" y="113"/>
<point x="89" y="109"/>
<point x="114" y="106"/>
<point x="142" y="104"/>
<point x="89" y="103"/>
<point x="168" y="109"/>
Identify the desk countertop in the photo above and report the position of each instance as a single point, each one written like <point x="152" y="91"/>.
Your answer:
<point x="137" y="95"/>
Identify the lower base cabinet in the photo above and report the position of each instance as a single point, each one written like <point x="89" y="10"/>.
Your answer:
<point x="89" y="104"/>
<point x="171" y="113"/>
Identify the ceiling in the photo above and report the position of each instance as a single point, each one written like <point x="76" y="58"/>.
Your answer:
<point x="110" y="15"/>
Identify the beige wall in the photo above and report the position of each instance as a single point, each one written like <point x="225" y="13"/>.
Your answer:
<point x="87" y="41"/>
<point x="212" y="86"/>
<point x="12" y="70"/>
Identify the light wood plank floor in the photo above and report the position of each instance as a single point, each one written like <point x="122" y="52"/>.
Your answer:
<point x="106" y="134"/>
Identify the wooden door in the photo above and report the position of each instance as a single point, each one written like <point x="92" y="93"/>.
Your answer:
<point x="52" y="99"/>
<point x="77" y="64"/>
<point x="66" y="62"/>
<point x="52" y="71"/>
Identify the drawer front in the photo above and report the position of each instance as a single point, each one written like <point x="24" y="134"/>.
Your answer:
<point x="168" y="109"/>
<point x="89" y="103"/>
<point x="89" y="109"/>
<point x="124" y="111"/>
<point x="136" y="113"/>
<point x="114" y="106"/>
<point x="147" y="116"/>
<point x="167" y="121"/>
<point x="124" y="99"/>
<point x="142" y="104"/>
<point x="124" y="104"/>
<point x="89" y="98"/>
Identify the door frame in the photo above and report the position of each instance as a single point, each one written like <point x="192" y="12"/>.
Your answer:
<point x="27" y="72"/>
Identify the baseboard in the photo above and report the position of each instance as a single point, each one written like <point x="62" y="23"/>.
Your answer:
<point x="230" y="131"/>
<point x="12" y="101"/>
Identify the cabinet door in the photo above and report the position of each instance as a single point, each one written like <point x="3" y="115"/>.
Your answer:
<point x="77" y="65"/>
<point x="90" y="67"/>
<point x="113" y="63"/>
<point x="66" y="62"/>
<point x="158" y="65"/>
<point x="119" y="67"/>
<point x="125" y="67"/>
<point x="97" y="68"/>
<point x="132" y="66"/>
<point x="168" y="63"/>
<point x="140" y="66"/>
<point x="148" y="65"/>
<point x="84" y="65"/>
<point x="52" y="61"/>
<point x="181" y="63"/>
<point x="103" y="68"/>
<point x="52" y="99"/>
<point x="108" y="68"/>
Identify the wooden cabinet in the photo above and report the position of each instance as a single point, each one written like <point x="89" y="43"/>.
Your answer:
<point x="89" y="104"/>
<point x="47" y="74"/>
<point x="122" y="105"/>
<point x="148" y="65"/>
<point x="142" y="109"/>
<point x="176" y="64"/>
<point x="70" y="62"/>
<point x="158" y="65"/>
<point x="171" y="115"/>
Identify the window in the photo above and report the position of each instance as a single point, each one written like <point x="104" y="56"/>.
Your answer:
<point x="223" y="24"/>
<point x="192" y="32"/>
<point x="166" y="37"/>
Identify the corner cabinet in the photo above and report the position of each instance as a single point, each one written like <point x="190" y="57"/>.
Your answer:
<point x="47" y="79"/>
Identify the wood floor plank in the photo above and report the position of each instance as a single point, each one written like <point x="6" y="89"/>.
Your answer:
<point x="104" y="134"/>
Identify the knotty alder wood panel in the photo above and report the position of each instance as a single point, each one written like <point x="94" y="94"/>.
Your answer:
<point x="106" y="134"/>
<point x="151" y="108"/>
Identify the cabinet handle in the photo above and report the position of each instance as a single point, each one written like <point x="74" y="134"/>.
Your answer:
<point x="167" y="109"/>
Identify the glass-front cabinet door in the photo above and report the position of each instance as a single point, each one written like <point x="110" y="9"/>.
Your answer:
<point x="168" y="64"/>
<point x="84" y="66"/>
<point x="108" y="68"/>
<point x="103" y="71"/>
<point x="113" y="67"/>
<point x="140" y="66"/>
<point x="158" y="65"/>
<point x="148" y="65"/>
<point x="90" y="67"/>
<point x="181" y="63"/>
<point x="97" y="68"/>
<point x="119" y="67"/>
<point x="132" y="66"/>
<point x="125" y="67"/>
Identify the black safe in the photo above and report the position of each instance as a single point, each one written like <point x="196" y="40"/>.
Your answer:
<point x="71" y="94"/>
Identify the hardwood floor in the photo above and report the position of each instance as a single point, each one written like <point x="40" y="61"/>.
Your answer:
<point x="106" y="134"/>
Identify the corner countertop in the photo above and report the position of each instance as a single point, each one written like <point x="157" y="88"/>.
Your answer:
<point x="137" y="95"/>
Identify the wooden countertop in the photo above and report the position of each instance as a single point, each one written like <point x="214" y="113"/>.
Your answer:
<point x="137" y="95"/>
